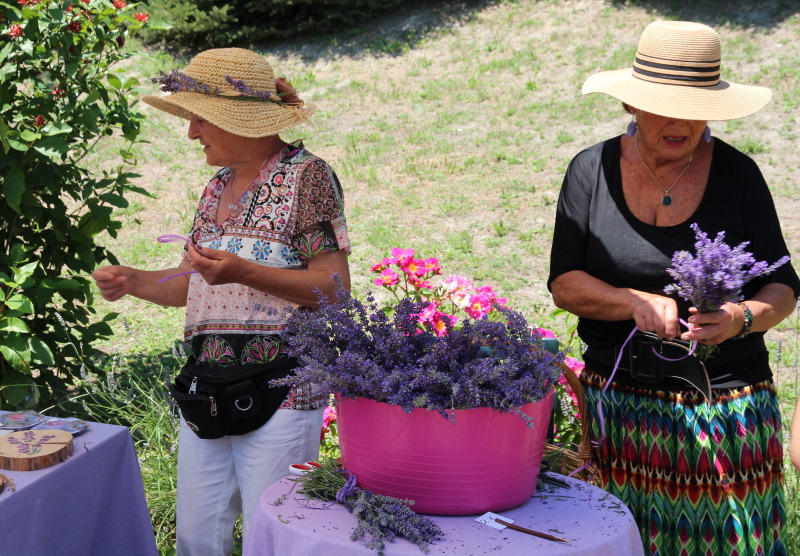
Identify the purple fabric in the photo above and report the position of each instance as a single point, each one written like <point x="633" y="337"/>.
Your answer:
<point x="596" y="523"/>
<point x="91" y="504"/>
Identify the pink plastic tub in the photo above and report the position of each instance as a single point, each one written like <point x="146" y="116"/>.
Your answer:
<point x="487" y="461"/>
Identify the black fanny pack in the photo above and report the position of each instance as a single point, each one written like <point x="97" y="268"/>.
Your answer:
<point x="229" y="401"/>
<point x="675" y="361"/>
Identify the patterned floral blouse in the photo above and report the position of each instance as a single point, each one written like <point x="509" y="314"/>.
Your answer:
<point x="292" y="211"/>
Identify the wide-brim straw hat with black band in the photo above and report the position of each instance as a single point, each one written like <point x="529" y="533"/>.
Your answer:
<point x="676" y="74"/>
<point x="244" y="117"/>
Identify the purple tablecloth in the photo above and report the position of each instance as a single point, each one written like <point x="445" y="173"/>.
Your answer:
<point x="92" y="504"/>
<point x="596" y="523"/>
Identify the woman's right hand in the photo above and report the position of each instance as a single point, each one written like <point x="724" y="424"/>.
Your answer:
<point x="657" y="314"/>
<point x="114" y="282"/>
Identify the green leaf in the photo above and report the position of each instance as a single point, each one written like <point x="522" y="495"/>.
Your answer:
<point x="24" y="271"/>
<point x="40" y="353"/>
<point x="5" y="51"/>
<point x="3" y="132"/>
<point x="6" y="71"/>
<point x="114" y="81"/>
<point x="15" y="142"/>
<point x="56" y="128"/>
<point x="71" y="69"/>
<point x="15" y="387"/>
<point x="52" y="146"/>
<point x="14" y="187"/>
<point x="30" y="136"/>
<point x="19" y="302"/>
<point x="110" y="316"/>
<point x="12" y="324"/>
<point x="91" y="97"/>
<point x="15" y="351"/>
<point x="130" y="83"/>
<point x="115" y="200"/>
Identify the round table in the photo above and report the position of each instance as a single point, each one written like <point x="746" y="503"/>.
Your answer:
<point x="595" y="522"/>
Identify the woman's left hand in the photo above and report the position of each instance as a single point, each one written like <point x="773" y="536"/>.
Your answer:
<point x="716" y="327"/>
<point x="216" y="267"/>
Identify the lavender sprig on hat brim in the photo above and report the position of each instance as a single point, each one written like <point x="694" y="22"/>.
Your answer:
<point x="717" y="273"/>
<point x="178" y="82"/>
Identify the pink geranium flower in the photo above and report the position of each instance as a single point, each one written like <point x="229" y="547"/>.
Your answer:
<point x="402" y="255"/>
<point x="419" y="284"/>
<point x="428" y="314"/>
<point x="386" y="262"/>
<point x="414" y="267"/>
<point x="440" y="323"/>
<point x="431" y="265"/>
<point x="478" y="306"/>
<point x="545" y="333"/>
<point x="387" y="278"/>
<point x="328" y="417"/>
<point x="577" y="367"/>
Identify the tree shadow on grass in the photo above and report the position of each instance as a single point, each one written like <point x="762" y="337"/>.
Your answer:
<point x="763" y="15"/>
<point x="394" y="33"/>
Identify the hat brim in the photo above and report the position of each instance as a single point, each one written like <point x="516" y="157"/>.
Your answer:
<point x="241" y="117"/>
<point x="724" y="101"/>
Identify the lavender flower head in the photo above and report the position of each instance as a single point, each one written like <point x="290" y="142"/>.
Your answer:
<point x="717" y="273"/>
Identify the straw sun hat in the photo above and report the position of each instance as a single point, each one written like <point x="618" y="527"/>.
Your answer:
<point x="676" y="74"/>
<point x="228" y="87"/>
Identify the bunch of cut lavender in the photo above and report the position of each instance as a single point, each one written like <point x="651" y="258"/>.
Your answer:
<point x="382" y="517"/>
<point x="718" y="272"/>
<point x="355" y="349"/>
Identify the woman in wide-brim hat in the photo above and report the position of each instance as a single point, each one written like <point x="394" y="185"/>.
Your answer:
<point x="701" y="475"/>
<point x="269" y="230"/>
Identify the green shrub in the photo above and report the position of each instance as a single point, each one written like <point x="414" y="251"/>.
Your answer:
<point x="58" y="97"/>
<point x="214" y="23"/>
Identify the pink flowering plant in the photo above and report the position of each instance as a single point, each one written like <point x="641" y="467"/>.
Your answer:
<point x="401" y="357"/>
<point x="407" y="277"/>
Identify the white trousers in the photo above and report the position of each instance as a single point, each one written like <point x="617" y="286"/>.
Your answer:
<point x="220" y="479"/>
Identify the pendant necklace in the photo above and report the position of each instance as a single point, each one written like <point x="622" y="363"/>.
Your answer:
<point x="666" y="200"/>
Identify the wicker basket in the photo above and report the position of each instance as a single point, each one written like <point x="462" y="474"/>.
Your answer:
<point x="567" y="458"/>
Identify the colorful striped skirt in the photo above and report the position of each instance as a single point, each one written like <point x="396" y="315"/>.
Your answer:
<point x="701" y="479"/>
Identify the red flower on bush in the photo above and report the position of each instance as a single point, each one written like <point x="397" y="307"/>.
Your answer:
<point x="141" y="16"/>
<point x="86" y="1"/>
<point x="15" y="31"/>
<point x="74" y="26"/>
<point x="40" y="121"/>
<point x="119" y="4"/>
<point x="120" y="41"/>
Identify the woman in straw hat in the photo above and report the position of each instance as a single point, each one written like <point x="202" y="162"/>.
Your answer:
<point x="702" y="475"/>
<point x="269" y="230"/>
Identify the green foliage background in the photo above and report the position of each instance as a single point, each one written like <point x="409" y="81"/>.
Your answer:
<point x="58" y="98"/>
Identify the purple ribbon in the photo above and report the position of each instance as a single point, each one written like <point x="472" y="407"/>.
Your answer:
<point x="169" y="238"/>
<point x="614" y="372"/>
<point x="348" y="488"/>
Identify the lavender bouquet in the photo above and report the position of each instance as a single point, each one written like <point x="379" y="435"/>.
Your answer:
<point x="355" y="349"/>
<point x="717" y="273"/>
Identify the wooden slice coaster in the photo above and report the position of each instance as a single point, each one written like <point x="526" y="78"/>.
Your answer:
<point x="34" y="449"/>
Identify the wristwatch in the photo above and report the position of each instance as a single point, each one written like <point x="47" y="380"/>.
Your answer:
<point x="748" y="322"/>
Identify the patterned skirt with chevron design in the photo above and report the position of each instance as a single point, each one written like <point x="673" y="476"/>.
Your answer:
<point x="701" y="479"/>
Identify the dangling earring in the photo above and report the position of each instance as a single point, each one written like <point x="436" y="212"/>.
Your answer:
<point x="632" y="127"/>
<point x="707" y="134"/>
